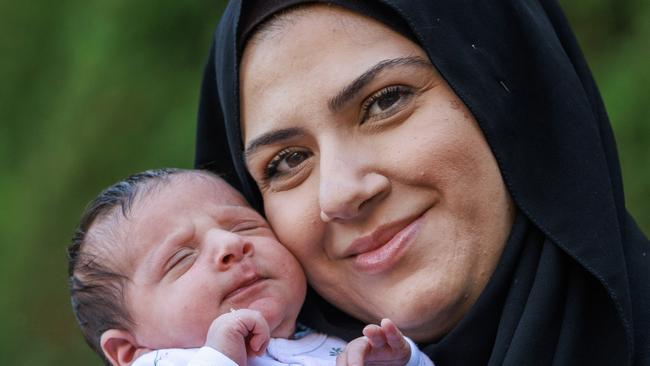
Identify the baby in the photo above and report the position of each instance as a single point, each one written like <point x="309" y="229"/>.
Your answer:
<point x="173" y="267"/>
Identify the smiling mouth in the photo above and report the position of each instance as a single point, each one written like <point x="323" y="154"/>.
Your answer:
<point x="384" y="248"/>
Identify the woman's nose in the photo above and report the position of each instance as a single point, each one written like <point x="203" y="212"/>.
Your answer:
<point x="228" y="248"/>
<point x="347" y="188"/>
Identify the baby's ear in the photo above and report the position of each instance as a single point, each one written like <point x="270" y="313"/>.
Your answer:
<point x="120" y="347"/>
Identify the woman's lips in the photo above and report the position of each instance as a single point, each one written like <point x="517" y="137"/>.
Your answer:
<point x="385" y="247"/>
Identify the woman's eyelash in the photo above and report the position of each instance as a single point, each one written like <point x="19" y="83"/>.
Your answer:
<point x="271" y="169"/>
<point x="395" y="90"/>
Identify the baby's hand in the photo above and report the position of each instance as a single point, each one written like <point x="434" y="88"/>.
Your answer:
<point x="238" y="334"/>
<point x="382" y="345"/>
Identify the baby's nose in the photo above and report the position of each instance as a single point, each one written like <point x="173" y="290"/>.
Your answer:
<point x="230" y="248"/>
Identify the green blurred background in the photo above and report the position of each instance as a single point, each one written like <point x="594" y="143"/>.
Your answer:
<point x="91" y="91"/>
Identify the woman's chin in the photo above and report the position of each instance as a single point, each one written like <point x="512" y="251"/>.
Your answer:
<point x="430" y="319"/>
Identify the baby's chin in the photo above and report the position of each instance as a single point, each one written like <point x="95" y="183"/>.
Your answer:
<point x="280" y="316"/>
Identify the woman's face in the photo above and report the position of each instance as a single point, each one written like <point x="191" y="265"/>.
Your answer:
<point x="373" y="172"/>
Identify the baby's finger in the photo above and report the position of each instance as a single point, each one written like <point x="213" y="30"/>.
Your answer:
<point x="356" y="352"/>
<point x="375" y="335"/>
<point x="258" y="343"/>
<point x="394" y="337"/>
<point x="258" y="329"/>
<point x="342" y="359"/>
<point x="261" y="335"/>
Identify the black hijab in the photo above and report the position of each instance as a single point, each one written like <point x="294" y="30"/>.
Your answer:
<point x="573" y="284"/>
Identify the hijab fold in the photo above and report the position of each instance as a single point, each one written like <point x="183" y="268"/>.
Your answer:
<point x="577" y="290"/>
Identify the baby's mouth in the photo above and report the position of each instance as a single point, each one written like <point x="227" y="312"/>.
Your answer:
<point x="247" y="285"/>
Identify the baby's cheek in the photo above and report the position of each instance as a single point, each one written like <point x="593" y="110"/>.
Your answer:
<point x="192" y="328"/>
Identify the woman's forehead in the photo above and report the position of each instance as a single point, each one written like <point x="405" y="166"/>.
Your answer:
<point x="309" y="15"/>
<point x="314" y="58"/>
<point x="316" y="30"/>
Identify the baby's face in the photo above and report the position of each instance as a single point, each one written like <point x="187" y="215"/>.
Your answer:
<point x="196" y="250"/>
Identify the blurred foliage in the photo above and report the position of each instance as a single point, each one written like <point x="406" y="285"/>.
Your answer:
<point x="92" y="91"/>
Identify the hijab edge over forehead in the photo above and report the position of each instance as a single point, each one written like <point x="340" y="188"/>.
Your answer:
<point x="259" y="11"/>
<point x="556" y="154"/>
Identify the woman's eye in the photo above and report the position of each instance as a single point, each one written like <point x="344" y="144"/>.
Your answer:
<point x="285" y="162"/>
<point x="386" y="102"/>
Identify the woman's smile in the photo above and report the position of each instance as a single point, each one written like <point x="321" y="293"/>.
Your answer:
<point x="383" y="249"/>
<point x="382" y="256"/>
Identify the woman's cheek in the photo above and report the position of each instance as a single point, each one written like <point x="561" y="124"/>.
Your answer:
<point x="296" y="222"/>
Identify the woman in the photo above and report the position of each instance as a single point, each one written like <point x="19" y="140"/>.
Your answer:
<point x="447" y="165"/>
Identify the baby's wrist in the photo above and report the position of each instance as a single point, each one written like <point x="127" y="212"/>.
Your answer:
<point x="211" y="356"/>
<point x="225" y="336"/>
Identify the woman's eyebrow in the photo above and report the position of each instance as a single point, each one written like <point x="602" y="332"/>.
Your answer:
<point x="348" y="92"/>
<point x="271" y="137"/>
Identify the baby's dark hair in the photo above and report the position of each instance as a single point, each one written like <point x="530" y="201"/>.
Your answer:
<point x="96" y="282"/>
